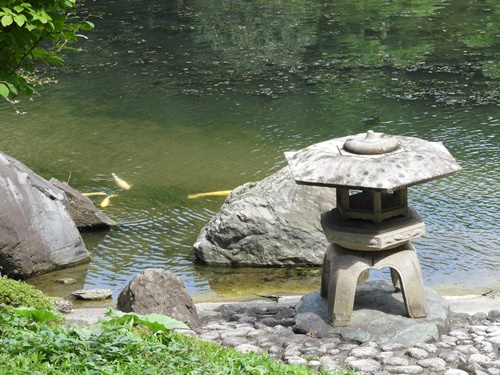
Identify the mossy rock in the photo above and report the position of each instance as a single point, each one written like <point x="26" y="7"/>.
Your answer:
<point x="17" y="293"/>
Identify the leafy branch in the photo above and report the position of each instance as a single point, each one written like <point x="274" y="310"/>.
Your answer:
<point x="30" y="34"/>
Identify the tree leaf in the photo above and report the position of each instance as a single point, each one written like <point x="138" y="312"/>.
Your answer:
<point x="20" y="19"/>
<point x="4" y="90"/>
<point x="7" y="20"/>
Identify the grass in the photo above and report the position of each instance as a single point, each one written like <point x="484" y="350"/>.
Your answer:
<point x="120" y="347"/>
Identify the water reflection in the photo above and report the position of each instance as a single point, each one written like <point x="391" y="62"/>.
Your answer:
<point x="187" y="97"/>
<point x="62" y="283"/>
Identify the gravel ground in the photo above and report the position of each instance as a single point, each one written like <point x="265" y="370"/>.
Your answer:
<point x="470" y="347"/>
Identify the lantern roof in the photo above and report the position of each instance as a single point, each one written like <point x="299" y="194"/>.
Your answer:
<point x="371" y="161"/>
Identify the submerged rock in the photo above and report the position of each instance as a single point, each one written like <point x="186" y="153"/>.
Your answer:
<point x="37" y="234"/>
<point x="274" y="222"/>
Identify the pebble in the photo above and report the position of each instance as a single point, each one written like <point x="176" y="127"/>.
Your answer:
<point x="470" y="347"/>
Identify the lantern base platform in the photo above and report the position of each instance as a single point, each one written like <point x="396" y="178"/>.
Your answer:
<point x="379" y="316"/>
<point x="365" y="235"/>
<point x="342" y="267"/>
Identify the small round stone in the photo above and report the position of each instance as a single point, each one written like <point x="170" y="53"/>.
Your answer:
<point x="247" y="348"/>
<point x="331" y="363"/>
<point x="412" y="369"/>
<point x="494" y="315"/>
<point x="459" y="334"/>
<point x="479" y="358"/>
<point x="449" y="340"/>
<point x="235" y="332"/>
<point x="314" y="363"/>
<point x="234" y="341"/>
<point x="395" y="361"/>
<point x="430" y="348"/>
<point x="452" y="356"/>
<point x="467" y="349"/>
<point x="210" y="336"/>
<point x="454" y="371"/>
<point x="493" y="331"/>
<point x="417" y="353"/>
<point x="363" y="352"/>
<point x="433" y="364"/>
<point x="480" y="330"/>
<point x="495" y="340"/>
<point x="392" y="347"/>
<point x="274" y="349"/>
<point x="485" y="346"/>
<point x="296" y="361"/>
<point x="364" y="365"/>
<point x="471" y="368"/>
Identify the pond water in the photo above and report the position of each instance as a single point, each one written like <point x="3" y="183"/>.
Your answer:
<point x="182" y="97"/>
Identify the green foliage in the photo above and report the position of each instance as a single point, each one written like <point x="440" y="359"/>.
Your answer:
<point x="29" y="347"/>
<point x="155" y="322"/>
<point x="17" y="293"/>
<point x="30" y="33"/>
<point x="39" y="316"/>
<point x="27" y="300"/>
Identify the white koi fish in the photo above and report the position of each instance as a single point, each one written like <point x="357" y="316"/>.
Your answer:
<point x="105" y="202"/>
<point x="120" y="182"/>
<point x="221" y="193"/>
<point x="94" y="193"/>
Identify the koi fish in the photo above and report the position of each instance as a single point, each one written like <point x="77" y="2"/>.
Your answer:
<point x="120" y="182"/>
<point x="105" y="202"/>
<point x="93" y="193"/>
<point x="221" y="193"/>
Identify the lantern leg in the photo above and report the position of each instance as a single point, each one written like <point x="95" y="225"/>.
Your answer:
<point x="339" y="283"/>
<point x="405" y="267"/>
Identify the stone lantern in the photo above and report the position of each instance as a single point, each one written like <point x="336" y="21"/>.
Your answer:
<point x="372" y="225"/>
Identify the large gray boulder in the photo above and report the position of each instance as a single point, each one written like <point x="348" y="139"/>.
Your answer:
<point x="274" y="222"/>
<point x="37" y="234"/>
<point x="156" y="290"/>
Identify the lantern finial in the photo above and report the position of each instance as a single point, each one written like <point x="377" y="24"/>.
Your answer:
<point x="371" y="144"/>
